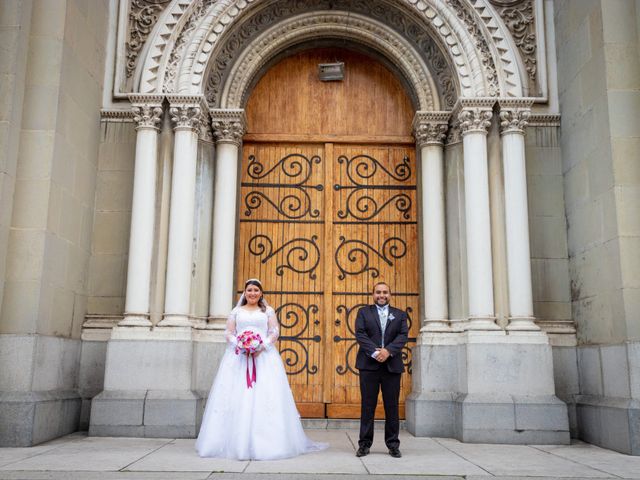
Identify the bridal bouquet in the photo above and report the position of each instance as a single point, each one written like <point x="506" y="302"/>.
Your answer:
<point x="248" y="343"/>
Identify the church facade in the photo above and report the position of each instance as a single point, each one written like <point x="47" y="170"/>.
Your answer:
<point x="479" y="156"/>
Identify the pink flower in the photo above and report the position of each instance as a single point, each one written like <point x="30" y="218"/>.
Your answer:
<point x="248" y="342"/>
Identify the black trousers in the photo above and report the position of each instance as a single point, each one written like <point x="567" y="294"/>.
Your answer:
<point x="371" y="381"/>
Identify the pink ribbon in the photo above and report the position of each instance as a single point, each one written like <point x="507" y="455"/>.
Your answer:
<point x="251" y="379"/>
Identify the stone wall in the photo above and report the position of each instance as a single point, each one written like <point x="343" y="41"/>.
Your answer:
<point x="49" y="238"/>
<point x="599" y="88"/>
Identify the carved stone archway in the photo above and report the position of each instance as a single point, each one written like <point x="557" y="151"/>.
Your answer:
<point x="473" y="43"/>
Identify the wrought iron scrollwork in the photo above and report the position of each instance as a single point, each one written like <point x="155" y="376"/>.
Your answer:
<point x="365" y="207"/>
<point x="297" y="170"/>
<point x="363" y="167"/>
<point x="295" y="317"/>
<point x="348" y="366"/>
<point x="392" y="248"/>
<point x="290" y="206"/>
<point x="298" y="250"/>
<point x="361" y="205"/>
<point x="294" y="165"/>
<point x="346" y="311"/>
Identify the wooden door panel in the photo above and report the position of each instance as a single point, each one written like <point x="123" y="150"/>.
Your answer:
<point x="320" y="224"/>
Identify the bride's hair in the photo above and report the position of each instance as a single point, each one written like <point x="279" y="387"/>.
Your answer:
<point x="261" y="303"/>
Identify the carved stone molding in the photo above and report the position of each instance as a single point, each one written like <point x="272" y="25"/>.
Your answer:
<point x="465" y="43"/>
<point x="147" y="110"/>
<point x="194" y="14"/>
<point x="317" y="25"/>
<point x="186" y="111"/>
<point x="514" y="115"/>
<point x="205" y="133"/>
<point x="493" y="87"/>
<point x="544" y="120"/>
<point x="454" y="135"/>
<point x="229" y="125"/>
<point x="474" y="115"/>
<point x="430" y="128"/>
<point x="451" y="27"/>
<point x="143" y="15"/>
<point x="110" y="115"/>
<point x="519" y="17"/>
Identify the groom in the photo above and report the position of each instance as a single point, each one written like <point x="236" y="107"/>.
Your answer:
<point x="381" y="332"/>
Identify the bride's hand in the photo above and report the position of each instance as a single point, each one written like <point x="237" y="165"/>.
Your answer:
<point x="255" y="354"/>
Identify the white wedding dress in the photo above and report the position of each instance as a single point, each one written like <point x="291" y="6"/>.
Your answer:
<point x="258" y="423"/>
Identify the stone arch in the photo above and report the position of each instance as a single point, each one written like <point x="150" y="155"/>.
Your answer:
<point x="472" y="39"/>
<point x="324" y="25"/>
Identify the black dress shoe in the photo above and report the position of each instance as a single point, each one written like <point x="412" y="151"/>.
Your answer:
<point x="395" y="452"/>
<point x="362" y="451"/>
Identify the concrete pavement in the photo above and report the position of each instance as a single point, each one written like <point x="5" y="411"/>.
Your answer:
<point x="96" y="458"/>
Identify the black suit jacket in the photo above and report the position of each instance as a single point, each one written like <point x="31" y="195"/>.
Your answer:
<point x="369" y="337"/>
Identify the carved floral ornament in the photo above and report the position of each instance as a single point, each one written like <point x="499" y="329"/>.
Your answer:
<point x="461" y="30"/>
<point x="228" y="125"/>
<point x="146" y="110"/>
<point x="186" y="111"/>
<point x="514" y="115"/>
<point x="474" y="115"/>
<point x="430" y="128"/>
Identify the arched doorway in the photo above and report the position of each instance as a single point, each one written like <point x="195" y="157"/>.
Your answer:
<point x="328" y="207"/>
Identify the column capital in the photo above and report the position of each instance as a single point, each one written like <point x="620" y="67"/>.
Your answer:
<point x="514" y="114"/>
<point x="147" y="110"/>
<point x="430" y="128"/>
<point x="473" y="115"/>
<point x="229" y="125"/>
<point x="186" y="111"/>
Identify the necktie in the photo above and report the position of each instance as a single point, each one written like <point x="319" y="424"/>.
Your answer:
<point x="383" y="322"/>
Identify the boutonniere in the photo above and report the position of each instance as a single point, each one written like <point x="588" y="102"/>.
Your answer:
<point x="391" y="317"/>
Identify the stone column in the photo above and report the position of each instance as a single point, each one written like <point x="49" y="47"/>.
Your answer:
<point x="430" y="129"/>
<point x="186" y="113"/>
<point x="475" y="119"/>
<point x="228" y="129"/>
<point x="514" y="115"/>
<point x="147" y="112"/>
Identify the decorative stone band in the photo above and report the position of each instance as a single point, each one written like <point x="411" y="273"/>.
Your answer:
<point x="115" y="116"/>
<point x="229" y="125"/>
<point x="430" y="128"/>
<point x="544" y="120"/>
<point x="514" y="115"/>
<point x="186" y="111"/>
<point x="147" y="110"/>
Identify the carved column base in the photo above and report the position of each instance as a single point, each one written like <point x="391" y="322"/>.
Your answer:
<point x="482" y="323"/>
<point x="175" y="320"/>
<point x="523" y="324"/>
<point x="135" y="320"/>
<point x="435" y="325"/>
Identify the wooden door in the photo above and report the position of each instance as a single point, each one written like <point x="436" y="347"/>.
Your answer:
<point x="319" y="225"/>
<point x="327" y="208"/>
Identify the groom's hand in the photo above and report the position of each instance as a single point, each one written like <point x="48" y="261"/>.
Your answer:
<point x="383" y="354"/>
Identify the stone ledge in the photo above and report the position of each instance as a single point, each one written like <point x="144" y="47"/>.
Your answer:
<point x="612" y="423"/>
<point x="30" y="418"/>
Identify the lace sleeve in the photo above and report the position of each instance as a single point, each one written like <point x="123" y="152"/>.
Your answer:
<point x="273" y="329"/>
<point x="230" y="331"/>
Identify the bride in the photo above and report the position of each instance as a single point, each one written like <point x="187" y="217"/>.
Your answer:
<point x="250" y="413"/>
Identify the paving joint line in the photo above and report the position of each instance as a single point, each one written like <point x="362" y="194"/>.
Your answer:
<point x="576" y="462"/>
<point x="463" y="458"/>
<point x="170" y="441"/>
